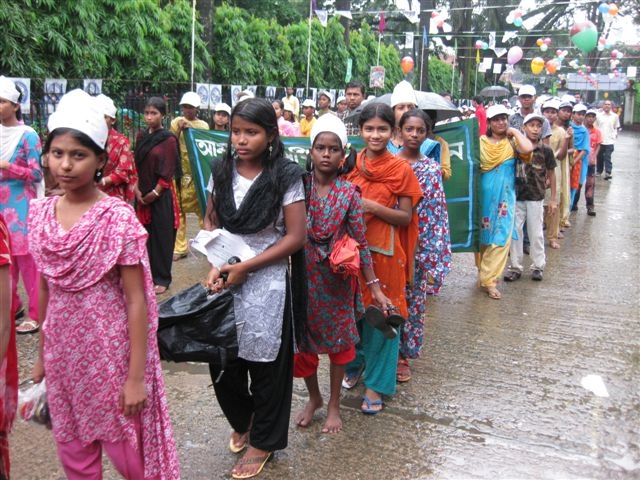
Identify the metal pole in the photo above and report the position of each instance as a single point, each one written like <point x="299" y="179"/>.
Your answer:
<point x="309" y="47"/>
<point x="193" y="39"/>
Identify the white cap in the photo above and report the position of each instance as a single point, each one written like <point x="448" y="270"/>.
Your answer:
<point x="340" y="99"/>
<point x="533" y="116"/>
<point x="495" y="110"/>
<point x="551" y="103"/>
<point x="580" y="107"/>
<point x="245" y="95"/>
<point x="327" y="94"/>
<point x="309" y="103"/>
<point x="403" y="93"/>
<point x="329" y="123"/>
<point x="8" y="90"/>
<point x="191" y="98"/>
<point x="108" y="107"/>
<point x="80" y="111"/>
<point x="223" y="107"/>
<point x="591" y="111"/>
<point x="288" y="107"/>
<point x="566" y="98"/>
<point x="527" y="90"/>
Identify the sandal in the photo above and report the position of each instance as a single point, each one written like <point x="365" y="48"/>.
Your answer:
<point x="403" y="372"/>
<point x="234" y="447"/>
<point x="28" y="326"/>
<point x="512" y="276"/>
<point x="179" y="256"/>
<point x="493" y="293"/>
<point x="160" y="289"/>
<point x="371" y="403"/>
<point x="395" y="319"/>
<point x="351" y="379"/>
<point x="553" y="244"/>
<point x="261" y="461"/>
<point x="377" y="319"/>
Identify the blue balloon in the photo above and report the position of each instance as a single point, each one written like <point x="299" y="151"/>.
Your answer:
<point x="603" y="8"/>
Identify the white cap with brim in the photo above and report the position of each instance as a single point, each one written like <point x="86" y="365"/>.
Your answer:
<point x="245" y="95"/>
<point x="108" y="107"/>
<point x="568" y="105"/>
<point x="332" y="124"/>
<point x="288" y="107"/>
<point x="8" y="90"/>
<point x="527" y="90"/>
<point x="591" y="111"/>
<point x="403" y="93"/>
<point x="309" y="103"/>
<point x="553" y="103"/>
<point x="80" y="111"/>
<point x="568" y="98"/>
<point x="495" y="110"/>
<point x="223" y="107"/>
<point x="580" y="107"/>
<point x="191" y="98"/>
<point x="327" y="94"/>
<point x="341" y="99"/>
<point x="533" y="116"/>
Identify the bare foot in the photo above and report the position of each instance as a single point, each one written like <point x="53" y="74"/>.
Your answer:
<point x="553" y="244"/>
<point x="251" y="463"/>
<point x="333" y="424"/>
<point x="305" y="416"/>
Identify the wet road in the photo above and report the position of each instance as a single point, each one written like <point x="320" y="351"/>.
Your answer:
<point x="497" y="393"/>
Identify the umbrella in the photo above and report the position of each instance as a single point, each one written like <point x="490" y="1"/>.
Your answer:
<point x="495" y="91"/>
<point x="426" y="101"/>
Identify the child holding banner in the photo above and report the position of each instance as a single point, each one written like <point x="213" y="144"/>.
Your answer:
<point x="334" y="299"/>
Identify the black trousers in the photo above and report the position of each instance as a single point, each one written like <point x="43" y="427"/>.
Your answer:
<point x="162" y="238"/>
<point x="263" y="405"/>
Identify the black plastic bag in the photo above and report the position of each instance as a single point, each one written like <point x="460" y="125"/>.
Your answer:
<point x="197" y="327"/>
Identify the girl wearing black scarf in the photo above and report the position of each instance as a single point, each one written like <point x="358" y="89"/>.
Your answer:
<point x="157" y="161"/>
<point x="259" y="195"/>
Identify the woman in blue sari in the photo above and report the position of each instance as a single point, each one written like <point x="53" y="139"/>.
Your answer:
<point x="498" y="151"/>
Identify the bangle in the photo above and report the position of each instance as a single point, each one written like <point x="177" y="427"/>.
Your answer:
<point x="155" y="193"/>
<point x="371" y="282"/>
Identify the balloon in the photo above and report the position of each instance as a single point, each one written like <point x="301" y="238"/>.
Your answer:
<point x="406" y="64"/>
<point x="478" y="44"/>
<point x="514" y="55"/>
<point x="509" y="19"/>
<point x="544" y="47"/>
<point x="613" y="9"/>
<point x="602" y="40"/>
<point x="547" y="41"/>
<point x="551" y="67"/>
<point x="600" y="47"/>
<point x="620" y="55"/>
<point x="518" y="13"/>
<point x="539" y="42"/>
<point x="434" y="14"/>
<point x="584" y="35"/>
<point x="485" y="45"/>
<point x="537" y="64"/>
<point x="614" y="53"/>
<point x="603" y="8"/>
<point x="517" y="22"/>
<point x="588" y="68"/>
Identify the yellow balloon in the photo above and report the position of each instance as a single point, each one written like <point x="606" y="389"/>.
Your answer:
<point x="539" y="42"/>
<point x="537" y="64"/>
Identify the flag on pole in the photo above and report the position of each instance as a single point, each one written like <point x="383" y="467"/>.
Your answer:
<point x="323" y="16"/>
<point x="425" y="37"/>
<point x="382" y="24"/>
<point x="477" y="55"/>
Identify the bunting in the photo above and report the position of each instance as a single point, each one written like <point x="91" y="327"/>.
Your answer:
<point x="382" y="23"/>
<point x="323" y="16"/>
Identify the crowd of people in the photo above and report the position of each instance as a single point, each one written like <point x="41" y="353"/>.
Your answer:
<point x="87" y="220"/>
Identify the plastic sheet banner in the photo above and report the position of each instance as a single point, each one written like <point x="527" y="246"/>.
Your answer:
<point x="462" y="189"/>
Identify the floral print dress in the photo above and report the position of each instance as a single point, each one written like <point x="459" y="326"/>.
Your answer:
<point x="334" y="302"/>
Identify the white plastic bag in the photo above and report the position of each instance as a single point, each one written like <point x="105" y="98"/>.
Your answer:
<point x="33" y="405"/>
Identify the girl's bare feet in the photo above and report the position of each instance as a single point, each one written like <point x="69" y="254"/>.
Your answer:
<point x="333" y="424"/>
<point x="305" y="416"/>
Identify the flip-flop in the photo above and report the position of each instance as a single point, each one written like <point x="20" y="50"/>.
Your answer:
<point x="377" y="319"/>
<point x="262" y="460"/>
<point x="395" y="319"/>
<point x="370" y="403"/>
<point x="493" y="293"/>
<point x="179" y="256"/>
<point x="403" y="372"/>
<point x="28" y="326"/>
<point x="351" y="379"/>
<point x="236" y="448"/>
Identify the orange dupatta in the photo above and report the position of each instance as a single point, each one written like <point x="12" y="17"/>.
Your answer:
<point x="384" y="179"/>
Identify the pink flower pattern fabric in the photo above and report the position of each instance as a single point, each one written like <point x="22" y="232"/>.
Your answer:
<point x="86" y="352"/>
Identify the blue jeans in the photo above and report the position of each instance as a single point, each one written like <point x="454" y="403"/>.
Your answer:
<point x="604" y="159"/>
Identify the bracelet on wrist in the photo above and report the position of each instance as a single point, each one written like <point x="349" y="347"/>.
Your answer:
<point x="372" y="282"/>
<point x="155" y="193"/>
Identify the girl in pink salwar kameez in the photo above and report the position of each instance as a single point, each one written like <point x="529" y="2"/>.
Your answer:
<point x="98" y="345"/>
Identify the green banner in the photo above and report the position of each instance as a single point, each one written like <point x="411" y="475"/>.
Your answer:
<point x="462" y="189"/>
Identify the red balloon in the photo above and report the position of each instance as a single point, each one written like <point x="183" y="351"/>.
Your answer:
<point x="406" y="64"/>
